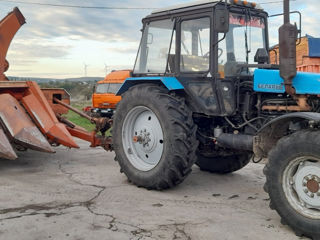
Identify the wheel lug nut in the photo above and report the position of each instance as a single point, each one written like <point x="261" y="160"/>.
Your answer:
<point x="306" y="190"/>
<point x="304" y="184"/>
<point x="312" y="195"/>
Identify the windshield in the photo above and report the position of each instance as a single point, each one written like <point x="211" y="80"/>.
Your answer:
<point x="154" y="49"/>
<point x="108" y="87"/>
<point x="246" y="34"/>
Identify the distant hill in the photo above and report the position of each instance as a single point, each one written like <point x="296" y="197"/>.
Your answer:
<point x="83" y="79"/>
<point x="47" y="80"/>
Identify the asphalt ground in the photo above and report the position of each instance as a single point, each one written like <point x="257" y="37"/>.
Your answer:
<point x="80" y="194"/>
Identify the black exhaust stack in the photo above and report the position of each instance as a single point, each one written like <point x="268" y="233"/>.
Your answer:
<point x="287" y="48"/>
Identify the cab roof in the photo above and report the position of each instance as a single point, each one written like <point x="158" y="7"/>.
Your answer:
<point x="196" y="4"/>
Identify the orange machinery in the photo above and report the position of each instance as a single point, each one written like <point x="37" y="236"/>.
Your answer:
<point x="31" y="118"/>
<point x="104" y="99"/>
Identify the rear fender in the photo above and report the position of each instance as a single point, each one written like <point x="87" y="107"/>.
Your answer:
<point x="171" y="83"/>
<point x="269" y="134"/>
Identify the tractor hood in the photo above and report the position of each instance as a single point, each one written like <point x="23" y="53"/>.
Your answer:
<point x="270" y="81"/>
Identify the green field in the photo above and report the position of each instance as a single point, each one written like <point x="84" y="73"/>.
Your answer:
<point x="76" y="119"/>
<point x="80" y="121"/>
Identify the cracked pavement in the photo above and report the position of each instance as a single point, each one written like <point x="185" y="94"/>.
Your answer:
<point x="80" y="194"/>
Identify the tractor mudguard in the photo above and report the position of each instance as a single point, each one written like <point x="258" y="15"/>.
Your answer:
<point x="171" y="83"/>
<point x="200" y="94"/>
<point x="297" y="116"/>
<point x="269" y="134"/>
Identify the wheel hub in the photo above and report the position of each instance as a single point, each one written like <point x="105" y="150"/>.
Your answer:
<point x="147" y="139"/>
<point x="142" y="138"/>
<point x="313" y="184"/>
<point x="307" y="184"/>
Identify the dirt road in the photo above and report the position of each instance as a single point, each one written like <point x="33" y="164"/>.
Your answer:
<point x="80" y="194"/>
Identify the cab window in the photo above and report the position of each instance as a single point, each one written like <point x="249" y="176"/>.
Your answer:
<point x="154" y="47"/>
<point x="195" y="45"/>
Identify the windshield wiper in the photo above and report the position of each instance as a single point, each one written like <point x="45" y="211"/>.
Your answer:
<point x="247" y="18"/>
<point x="247" y="47"/>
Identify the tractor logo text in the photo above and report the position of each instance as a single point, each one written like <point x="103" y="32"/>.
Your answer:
<point x="271" y="86"/>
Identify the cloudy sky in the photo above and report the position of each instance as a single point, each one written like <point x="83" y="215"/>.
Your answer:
<point x="57" y="42"/>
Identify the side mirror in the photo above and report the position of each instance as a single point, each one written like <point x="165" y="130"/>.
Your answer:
<point x="221" y="19"/>
<point x="261" y="56"/>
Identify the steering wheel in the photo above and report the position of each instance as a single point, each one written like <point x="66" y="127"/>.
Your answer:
<point x="220" y="52"/>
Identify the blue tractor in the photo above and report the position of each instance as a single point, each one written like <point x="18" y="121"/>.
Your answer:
<point x="203" y="92"/>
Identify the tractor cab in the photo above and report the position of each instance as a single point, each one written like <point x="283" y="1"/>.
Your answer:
<point x="206" y="45"/>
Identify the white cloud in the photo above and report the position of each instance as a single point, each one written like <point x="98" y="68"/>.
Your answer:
<point x="56" y="41"/>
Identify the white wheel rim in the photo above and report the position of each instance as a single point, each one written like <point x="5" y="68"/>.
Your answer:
<point x="142" y="138"/>
<point x="301" y="184"/>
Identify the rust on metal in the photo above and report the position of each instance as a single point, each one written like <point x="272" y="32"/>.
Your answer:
<point x="73" y="109"/>
<point x="65" y="121"/>
<point x="313" y="186"/>
<point x="6" y="150"/>
<point x="93" y="138"/>
<point x="59" y="93"/>
<point x="135" y="139"/>
<point x="8" y="28"/>
<point x="15" y="84"/>
<point x="301" y="106"/>
<point x="102" y="124"/>
<point x="42" y="114"/>
<point x="19" y="126"/>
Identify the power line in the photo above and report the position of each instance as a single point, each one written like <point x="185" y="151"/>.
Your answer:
<point x="103" y="7"/>
<point x="274" y="2"/>
<point x="78" y="6"/>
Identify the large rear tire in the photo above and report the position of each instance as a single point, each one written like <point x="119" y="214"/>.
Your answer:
<point x="154" y="137"/>
<point x="223" y="164"/>
<point x="293" y="181"/>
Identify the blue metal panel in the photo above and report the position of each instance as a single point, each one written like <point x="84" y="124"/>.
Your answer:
<point x="171" y="83"/>
<point x="314" y="47"/>
<point x="270" y="81"/>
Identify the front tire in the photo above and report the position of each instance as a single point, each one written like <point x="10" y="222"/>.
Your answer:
<point x="293" y="181"/>
<point x="154" y="137"/>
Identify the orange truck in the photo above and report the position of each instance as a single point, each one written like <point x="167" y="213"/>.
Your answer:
<point x="104" y="99"/>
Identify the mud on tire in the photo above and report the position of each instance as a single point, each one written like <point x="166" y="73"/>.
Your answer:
<point x="179" y="136"/>
<point x="293" y="193"/>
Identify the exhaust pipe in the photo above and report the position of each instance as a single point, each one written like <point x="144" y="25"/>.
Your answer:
<point x="287" y="49"/>
<point x="235" y="141"/>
